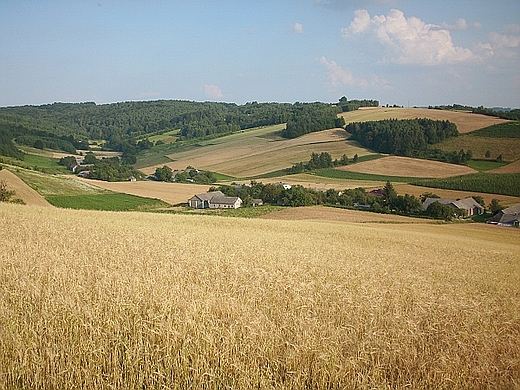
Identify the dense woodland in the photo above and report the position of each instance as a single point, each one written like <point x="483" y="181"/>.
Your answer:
<point x="124" y="126"/>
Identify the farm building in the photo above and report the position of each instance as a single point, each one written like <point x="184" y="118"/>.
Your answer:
<point x="470" y="205"/>
<point x="214" y="200"/>
<point x="506" y="217"/>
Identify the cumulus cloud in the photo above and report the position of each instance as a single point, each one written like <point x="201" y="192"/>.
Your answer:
<point x="343" y="76"/>
<point x="298" y="27"/>
<point x="211" y="91"/>
<point x="409" y="40"/>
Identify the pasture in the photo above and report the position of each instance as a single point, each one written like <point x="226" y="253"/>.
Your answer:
<point x="140" y="300"/>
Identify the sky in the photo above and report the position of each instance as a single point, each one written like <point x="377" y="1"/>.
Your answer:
<point x="404" y="52"/>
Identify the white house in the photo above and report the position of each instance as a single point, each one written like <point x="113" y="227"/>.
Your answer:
<point x="214" y="200"/>
<point x="470" y="205"/>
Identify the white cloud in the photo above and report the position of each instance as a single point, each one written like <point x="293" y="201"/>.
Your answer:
<point x="213" y="92"/>
<point x="410" y="40"/>
<point x="460" y="24"/>
<point x="298" y="27"/>
<point x="502" y="40"/>
<point x="343" y="76"/>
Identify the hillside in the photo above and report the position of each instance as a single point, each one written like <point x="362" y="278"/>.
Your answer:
<point x="22" y="191"/>
<point x="466" y="121"/>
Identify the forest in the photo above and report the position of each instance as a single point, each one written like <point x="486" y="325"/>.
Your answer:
<point x="409" y="138"/>
<point x="125" y="126"/>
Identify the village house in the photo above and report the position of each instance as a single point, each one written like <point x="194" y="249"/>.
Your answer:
<point x="507" y="217"/>
<point x="214" y="200"/>
<point x="469" y="205"/>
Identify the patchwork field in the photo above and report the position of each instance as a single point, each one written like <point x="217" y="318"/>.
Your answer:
<point x="408" y="167"/>
<point x="137" y="300"/>
<point x="465" y="121"/>
<point x="258" y="151"/>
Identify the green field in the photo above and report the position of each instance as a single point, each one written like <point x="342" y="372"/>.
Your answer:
<point x="106" y="202"/>
<point x="485" y="165"/>
<point x="504" y="184"/>
<point x="502" y="130"/>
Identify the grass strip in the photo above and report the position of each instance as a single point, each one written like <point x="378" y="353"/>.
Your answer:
<point x="106" y="202"/>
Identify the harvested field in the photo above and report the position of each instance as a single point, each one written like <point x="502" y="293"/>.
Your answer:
<point x="144" y="300"/>
<point x="331" y="214"/>
<point x="408" y="167"/>
<point x="465" y="121"/>
<point x="514" y="167"/>
<point x="22" y="190"/>
<point x="254" y="153"/>
<point x="172" y="193"/>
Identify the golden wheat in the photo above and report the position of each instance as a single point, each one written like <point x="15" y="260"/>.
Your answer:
<point x="132" y="300"/>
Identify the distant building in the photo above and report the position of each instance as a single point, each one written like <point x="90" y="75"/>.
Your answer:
<point x="470" y="205"/>
<point x="507" y="217"/>
<point x="214" y="200"/>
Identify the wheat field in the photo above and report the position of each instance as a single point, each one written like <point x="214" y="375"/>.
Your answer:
<point x="106" y="300"/>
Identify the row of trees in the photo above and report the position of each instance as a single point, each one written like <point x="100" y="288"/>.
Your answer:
<point x="352" y="105"/>
<point x="511" y="114"/>
<point x="388" y="201"/>
<point x="298" y="195"/>
<point x="189" y="175"/>
<point x="319" y="161"/>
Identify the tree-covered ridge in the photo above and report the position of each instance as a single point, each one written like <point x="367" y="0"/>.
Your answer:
<point x="405" y="137"/>
<point x="67" y="126"/>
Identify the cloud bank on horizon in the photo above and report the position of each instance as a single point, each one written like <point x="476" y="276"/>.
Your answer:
<point x="395" y="51"/>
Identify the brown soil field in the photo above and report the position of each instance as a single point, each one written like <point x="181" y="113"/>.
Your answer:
<point x="408" y="167"/>
<point x="514" y="167"/>
<point x="243" y="156"/>
<point x="466" y="122"/>
<point x="22" y="190"/>
<point x="331" y="214"/>
<point x="403" y="189"/>
<point x="172" y="193"/>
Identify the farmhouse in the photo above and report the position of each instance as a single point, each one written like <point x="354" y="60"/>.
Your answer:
<point x="214" y="200"/>
<point x="470" y="205"/>
<point x="506" y="217"/>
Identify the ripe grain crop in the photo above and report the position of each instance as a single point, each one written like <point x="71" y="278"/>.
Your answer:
<point x="104" y="300"/>
<point x="408" y="167"/>
<point x="466" y="121"/>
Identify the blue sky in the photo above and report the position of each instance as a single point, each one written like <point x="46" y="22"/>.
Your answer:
<point x="405" y="52"/>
